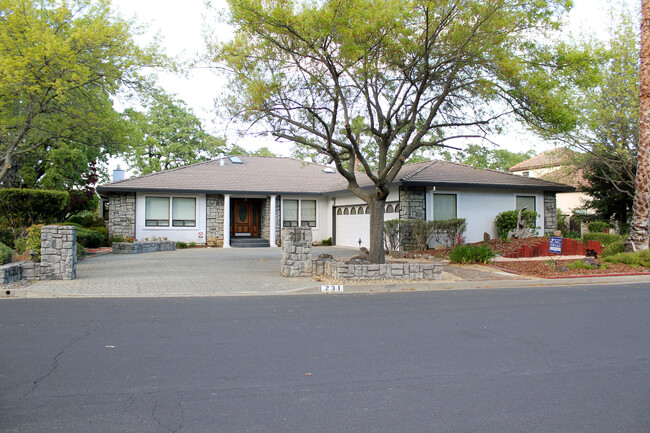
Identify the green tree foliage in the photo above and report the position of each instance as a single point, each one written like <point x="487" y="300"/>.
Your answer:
<point x="23" y="207"/>
<point x="375" y="81"/>
<point x="61" y="61"/>
<point x="167" y="135"/>
<point x="608" y="132"/>
<point x="484" y="157"/>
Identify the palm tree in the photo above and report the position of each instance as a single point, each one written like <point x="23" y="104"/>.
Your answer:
<point x="639" y="229"/>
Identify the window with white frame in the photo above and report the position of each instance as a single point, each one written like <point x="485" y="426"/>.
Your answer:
<point x="156" y="211"/>
<point x="525" y="201"/>
<point x="308" y="213"/>
<point x="183" y="212"/>
<point x="298" y="213"/>
<point x="444" y="207"/>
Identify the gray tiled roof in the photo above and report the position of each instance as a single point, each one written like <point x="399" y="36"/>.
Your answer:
<point x="257" y="174"/>
<point x="267" y="175"/>
<point x="444" y="173"/>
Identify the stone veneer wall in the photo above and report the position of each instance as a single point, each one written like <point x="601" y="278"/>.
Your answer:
<point x="143" y="247"/>
<point x="395" y="271"/>
<point x="121" y="214"/>
<point x="296" y="252"/>
<point x="412" y="206"/>
<point x="58" y="253"/>
<point x="550" y="212"/>
<point x="214" y="219"/>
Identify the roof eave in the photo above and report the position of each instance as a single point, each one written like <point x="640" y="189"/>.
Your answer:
<point x="556" y="188"/>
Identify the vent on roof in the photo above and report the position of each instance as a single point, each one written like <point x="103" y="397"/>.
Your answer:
<point x="328" y="170"/>
<point x="236" y="160"/>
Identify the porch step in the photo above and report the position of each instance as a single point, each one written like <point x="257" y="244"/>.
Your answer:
<point x="249" y="243"/>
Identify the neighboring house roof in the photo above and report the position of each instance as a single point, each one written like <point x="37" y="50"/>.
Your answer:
<point x="268" y="175"/>
<point x="550" y="158"/>
<point x="568" y="175"/>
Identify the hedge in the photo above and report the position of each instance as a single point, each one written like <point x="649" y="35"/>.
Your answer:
<point x="25" y="207"/>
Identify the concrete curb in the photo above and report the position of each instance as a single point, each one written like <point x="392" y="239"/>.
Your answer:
<point x="313" y="288"/>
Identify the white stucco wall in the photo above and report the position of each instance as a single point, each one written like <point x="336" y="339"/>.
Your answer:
<point x="480" y="208"/>
<point x="568" y="201"/>
<point x="184" y="234"/>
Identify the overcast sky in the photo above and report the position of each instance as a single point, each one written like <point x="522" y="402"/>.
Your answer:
<point x="180" y="25"/>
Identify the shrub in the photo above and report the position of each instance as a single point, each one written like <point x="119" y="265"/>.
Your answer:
<point x="604" y="238"/>
<point x="579" y="264"/>
<point x="392" y="230"/>
<point x="81" y="252"/>
<point x="181" y="245"/>
<point x="449" y="232"/>
<point x="562" y="223"/>
<point x="614" y="248"/>
<point x="5" y="254"/>
<point x="32" y="240"/>
<point x="598" y="226"/>
<point x="192" y="244"/>
<point x="507" y="221"/>
<point x="570" y="234"/>
<point x="471" y="254"/>
<point x="641" y="258"/>
<point x="327" y="242"/>
<point x="90" y="239"/>
<point x="87" y="219"/>
<point x="102" y="231"/>
<point x="7" y="236"/>
<point x="25" y="207"/>
<point x="422" y="231"/>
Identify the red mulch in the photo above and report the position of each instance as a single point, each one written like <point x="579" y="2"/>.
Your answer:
<point x="544" y="268"/>
<point x="557" y="268"/>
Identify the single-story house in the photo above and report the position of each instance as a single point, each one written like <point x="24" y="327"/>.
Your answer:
<point x="230" y="200"/>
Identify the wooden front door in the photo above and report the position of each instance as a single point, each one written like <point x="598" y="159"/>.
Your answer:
<point x="245" y="218"/>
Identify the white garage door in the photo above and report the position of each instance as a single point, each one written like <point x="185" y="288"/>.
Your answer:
<point x="353" y="223"/>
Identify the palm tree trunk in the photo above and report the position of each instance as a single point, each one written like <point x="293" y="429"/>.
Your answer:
<point x="641" y="210"/>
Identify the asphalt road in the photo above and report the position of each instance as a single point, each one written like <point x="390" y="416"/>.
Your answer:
<point x="572" y="359"/>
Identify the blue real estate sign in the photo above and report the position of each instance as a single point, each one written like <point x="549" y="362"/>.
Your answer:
<point x="555" y="245"/>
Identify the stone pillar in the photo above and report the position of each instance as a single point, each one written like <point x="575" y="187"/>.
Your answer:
<point x="296" y="252"/>
<point x="412" y="203"/>
<point x="58" y="253"/>
<point x="226" y="220"/>
<point x="272" y="221"/>
<point x="214" y="219"/>
<point x="550" y="212"/>
<point x="121" y="214"/>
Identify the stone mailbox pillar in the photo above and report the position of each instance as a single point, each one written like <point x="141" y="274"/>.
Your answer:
<point x="296" y="252"/>
<point x="58" y="253"/>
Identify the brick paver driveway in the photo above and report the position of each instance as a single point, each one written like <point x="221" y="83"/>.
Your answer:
<point x="196" y="271"/>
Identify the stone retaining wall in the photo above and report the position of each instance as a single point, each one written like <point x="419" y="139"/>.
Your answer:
<point x="11" y="272"/>
<point x="143" y="247"/>
<point x="297" y="262"/>
<point x="394" y="271"/>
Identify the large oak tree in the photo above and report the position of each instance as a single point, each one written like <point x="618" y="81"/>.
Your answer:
<point x="373" y="81"/>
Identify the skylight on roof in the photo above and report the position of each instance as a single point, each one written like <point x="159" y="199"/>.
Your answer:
<point x="236" y="160"/>
<point x="328" y="170"/>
